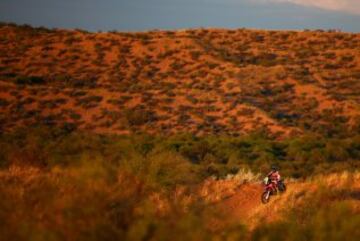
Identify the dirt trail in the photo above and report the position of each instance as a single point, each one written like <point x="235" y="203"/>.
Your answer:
<point x="246" y="199"/>
<point x="236" y="205"/>
<point x="244" y="205"/>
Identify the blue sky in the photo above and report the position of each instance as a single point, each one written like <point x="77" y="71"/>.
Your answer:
<point x="135" y="15"/>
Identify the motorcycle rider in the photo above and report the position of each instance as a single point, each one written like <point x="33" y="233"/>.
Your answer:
<point x="274" y="176"/>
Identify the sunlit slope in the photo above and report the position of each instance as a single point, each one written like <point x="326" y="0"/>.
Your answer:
<point x="200" y="81"/>
<point x="76" y="202"/>
<point x="322" y="199"/>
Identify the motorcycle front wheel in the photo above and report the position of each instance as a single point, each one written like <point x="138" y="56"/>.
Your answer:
<point x="265" y="197"/>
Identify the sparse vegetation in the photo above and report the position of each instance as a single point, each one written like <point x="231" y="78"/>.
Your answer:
<point x="151" y="136"/>
<point x="217" y="63"/>
<point x="131" y="187"/>
<point x="31" y="80"/>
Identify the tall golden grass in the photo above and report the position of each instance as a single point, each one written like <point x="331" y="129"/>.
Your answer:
<point x="57" y="186"/>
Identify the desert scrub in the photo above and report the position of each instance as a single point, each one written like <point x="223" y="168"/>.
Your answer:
<point x="324" y="214"/>
<point x="297" y="157"/>
<point x="4" y="103"/>
<point x="29" y="80"/>
<point x="89" y="101"/>
<point x="101" y="204"/>
<point x="139" y="116"/>
<point x="99" y="187"/>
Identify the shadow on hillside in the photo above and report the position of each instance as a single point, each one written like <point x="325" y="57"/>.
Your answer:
<point x="348" y="195"/>
<point x="355" y="195"/>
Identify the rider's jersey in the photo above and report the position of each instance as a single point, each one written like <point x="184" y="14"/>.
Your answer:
<point x="274" y="176"/>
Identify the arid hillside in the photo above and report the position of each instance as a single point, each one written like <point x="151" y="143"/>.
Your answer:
<point x="202" y="81"/>
<point x="83" y="203"/>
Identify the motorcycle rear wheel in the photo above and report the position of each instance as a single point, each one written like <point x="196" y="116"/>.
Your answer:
<point x="282" y="187"/>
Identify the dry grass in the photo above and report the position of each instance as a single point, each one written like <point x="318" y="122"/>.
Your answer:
<point x="245" y="176"/>
<point x="91" y="201"/>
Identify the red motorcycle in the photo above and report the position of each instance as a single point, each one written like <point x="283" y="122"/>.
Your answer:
<point x="270" y="189"/>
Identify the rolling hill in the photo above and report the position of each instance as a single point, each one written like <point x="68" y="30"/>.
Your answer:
<point x="220" y="106"/>
<point x="200" y="81"/>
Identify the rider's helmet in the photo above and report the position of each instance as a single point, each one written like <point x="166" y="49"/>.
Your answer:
<point x="274" y="168"/>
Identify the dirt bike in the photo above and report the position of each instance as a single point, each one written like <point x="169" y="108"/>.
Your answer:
<point x="271" y="190"/>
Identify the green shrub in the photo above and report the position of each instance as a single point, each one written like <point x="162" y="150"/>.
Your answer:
<point x="4" y="102"/>
<point x="137" y="116"/>
<point x="29" y="80"/>
<point x="297" y="157"/>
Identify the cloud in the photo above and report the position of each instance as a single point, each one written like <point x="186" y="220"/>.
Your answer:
<point x="351" y="6"/>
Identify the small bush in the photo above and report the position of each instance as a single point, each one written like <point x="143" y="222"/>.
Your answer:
<point x="137" y="117"/>
<point x="29" y="80"/>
